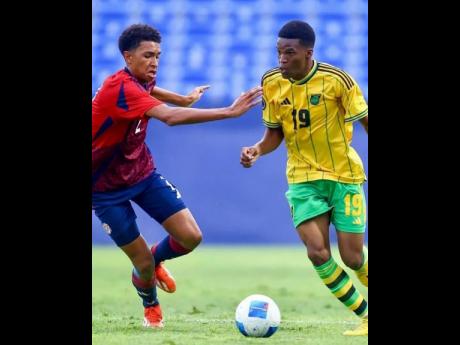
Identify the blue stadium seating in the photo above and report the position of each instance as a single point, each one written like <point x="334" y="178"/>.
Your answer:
<point x="229" y="44"/>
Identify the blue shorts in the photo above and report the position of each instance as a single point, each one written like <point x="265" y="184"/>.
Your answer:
<point x="155" y="195"/>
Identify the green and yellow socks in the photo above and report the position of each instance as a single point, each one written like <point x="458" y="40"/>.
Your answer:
<point x="340" y="284"/>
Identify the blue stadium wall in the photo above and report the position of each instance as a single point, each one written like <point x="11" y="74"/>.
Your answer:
<point x="229" y="45"/>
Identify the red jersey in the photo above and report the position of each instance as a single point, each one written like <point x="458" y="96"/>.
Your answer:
<point x="120" y="157"/>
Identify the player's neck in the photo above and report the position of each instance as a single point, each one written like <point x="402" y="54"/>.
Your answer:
<point x="309" y="67"/>
<point x="143" y="83"/>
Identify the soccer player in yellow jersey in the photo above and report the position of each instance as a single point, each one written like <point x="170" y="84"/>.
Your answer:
<point x="312" y="106"/>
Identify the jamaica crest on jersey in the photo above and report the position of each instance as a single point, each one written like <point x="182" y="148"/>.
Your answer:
<point x="314" y="99"/>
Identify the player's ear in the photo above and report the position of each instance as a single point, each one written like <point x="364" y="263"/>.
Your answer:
<point x="309" y="53"/>
<point x="127" y="56"/>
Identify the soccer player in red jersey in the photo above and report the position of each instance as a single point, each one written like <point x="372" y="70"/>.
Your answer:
<point x="123" y="169"/>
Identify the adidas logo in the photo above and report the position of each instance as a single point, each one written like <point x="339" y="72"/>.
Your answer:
<point x="286" y="102"/>
<point x="357" y="221"/>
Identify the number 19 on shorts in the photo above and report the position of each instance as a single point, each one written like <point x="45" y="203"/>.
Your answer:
<point x="353" y="205"/>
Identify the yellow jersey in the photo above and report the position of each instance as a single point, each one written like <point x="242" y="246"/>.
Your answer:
<point x="316" y="115"/>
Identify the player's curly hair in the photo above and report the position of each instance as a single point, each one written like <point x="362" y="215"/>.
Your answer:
<point x="133" y="35"/>
<point x="299" y="29"/>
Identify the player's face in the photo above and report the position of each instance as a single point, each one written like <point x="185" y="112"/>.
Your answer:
<point x="143" y="61"/>
<point x="293" y="58"/>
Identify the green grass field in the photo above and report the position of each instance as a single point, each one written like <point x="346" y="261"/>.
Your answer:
<point x="211" y="282"/>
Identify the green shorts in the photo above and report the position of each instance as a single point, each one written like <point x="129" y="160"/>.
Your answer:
<point x="347" y="201"/>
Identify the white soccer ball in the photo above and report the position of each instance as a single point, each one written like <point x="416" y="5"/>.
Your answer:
<point x="257" y="316"/>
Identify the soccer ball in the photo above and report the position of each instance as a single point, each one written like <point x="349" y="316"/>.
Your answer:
<point x="257" y="316"/>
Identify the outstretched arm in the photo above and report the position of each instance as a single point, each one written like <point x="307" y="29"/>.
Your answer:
<point x="180" y="116"/>
<point x="177" y="99"/>
<point x="271" y="140"/>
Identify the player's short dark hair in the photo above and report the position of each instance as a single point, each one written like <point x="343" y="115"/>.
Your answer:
<point x="135" y="34"/>
<point x="299" y="29"/>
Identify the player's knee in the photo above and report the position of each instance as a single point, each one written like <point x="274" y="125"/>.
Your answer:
<point x="319" y="256"/>
<point x="194" y="238"/>
<point x="190" y="238"/>
<point x="353" y="261"/>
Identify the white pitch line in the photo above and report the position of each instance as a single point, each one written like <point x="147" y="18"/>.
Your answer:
<point x="306" y="322"/>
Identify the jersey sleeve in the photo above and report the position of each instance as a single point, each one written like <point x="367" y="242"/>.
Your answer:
<point x="133" y="102"/>
<point x="353" y="101"/>
<point x="269" y="107"/>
